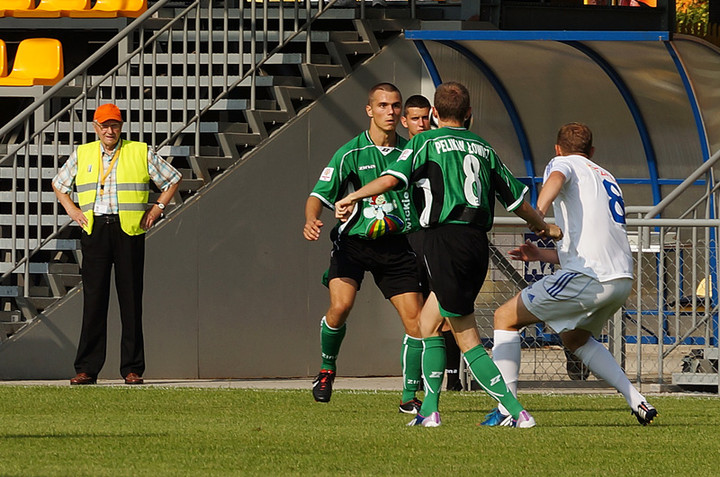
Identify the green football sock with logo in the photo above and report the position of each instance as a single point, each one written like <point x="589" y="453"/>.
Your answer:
<point x="411" y="360"/>
<point x="330" y="341"/>
<point x="488" y="375"/>
<point x="433" y="368"/>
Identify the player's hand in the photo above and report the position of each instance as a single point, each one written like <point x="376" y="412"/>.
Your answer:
<point x="311" y="231"/>
<point x="551" y="232"/>
<point x="344" y="208"/>
<point x="527" y="252"/>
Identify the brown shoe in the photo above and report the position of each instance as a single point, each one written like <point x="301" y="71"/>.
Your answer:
<point x="83" y="378"/>
<point x="133" y="378"/>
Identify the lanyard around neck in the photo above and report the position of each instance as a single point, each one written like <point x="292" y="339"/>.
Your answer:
<point x="106" y="172"/>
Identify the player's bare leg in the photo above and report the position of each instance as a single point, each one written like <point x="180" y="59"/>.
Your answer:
<point x="511" y="317"/>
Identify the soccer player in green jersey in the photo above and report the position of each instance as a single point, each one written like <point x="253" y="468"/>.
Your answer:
<point x="373" y="239"/>
<point x="416" y="118"/>
<point x="460" y="176"/>
<point x="416" y="115"/>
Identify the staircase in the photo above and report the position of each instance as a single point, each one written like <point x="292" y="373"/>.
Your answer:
<point x="204" y="83"/>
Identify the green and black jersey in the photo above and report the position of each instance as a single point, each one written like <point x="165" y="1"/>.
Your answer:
<point x="355" y="164"/>
<point x="457" y="175"/>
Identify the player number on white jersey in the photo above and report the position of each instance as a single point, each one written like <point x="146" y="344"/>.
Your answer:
<point x="616" y="203"/>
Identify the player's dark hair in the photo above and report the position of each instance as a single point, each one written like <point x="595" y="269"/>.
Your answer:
<point x="575" y="138"/>
<point x="416" y="101"/>
<point x="452" y="101"/>
<point x="387" y="87"/>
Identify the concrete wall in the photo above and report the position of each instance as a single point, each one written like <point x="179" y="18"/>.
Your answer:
<point x="232" y="289"/>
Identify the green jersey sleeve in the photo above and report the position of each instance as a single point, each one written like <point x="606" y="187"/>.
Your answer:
<point x="405" y="164"/>
<point x="332" y="183"/>
<point x="509" y="191"/>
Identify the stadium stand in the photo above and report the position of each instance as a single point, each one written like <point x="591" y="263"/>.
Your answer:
<point x="52" y="9"/>
<point x="112" y="9"/>
<point x="38" y="61"/>
<point x="160" y="109"/>
<point x="9" y="6"/>
<point x="3" y="59"/>
<point x="247" y="104"/>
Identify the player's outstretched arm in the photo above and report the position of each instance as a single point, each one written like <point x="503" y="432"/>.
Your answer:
<point x="529" y="252"/>
<point x="550" y="190"/>
<point x="313" y="224"/>
<point x="536" y="223"/>
<point x="344" y="207"/>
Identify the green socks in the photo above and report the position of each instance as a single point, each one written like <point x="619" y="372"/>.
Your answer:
<point x="411" y="360"/>
<point x="330" y="341"/>
<point x="433" y="368"/>
<point x="488" y="375"/>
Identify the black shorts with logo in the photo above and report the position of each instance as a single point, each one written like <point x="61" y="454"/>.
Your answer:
<point x="456" y="257"/>
<point x="390" y="259"/>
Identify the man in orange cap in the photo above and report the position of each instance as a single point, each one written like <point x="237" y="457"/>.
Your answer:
<point x="112" y="179"/>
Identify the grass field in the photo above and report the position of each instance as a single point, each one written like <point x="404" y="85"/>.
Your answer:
<point x="117" y="430"/>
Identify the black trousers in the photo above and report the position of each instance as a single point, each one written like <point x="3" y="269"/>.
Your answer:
<point x="106" y="247"/>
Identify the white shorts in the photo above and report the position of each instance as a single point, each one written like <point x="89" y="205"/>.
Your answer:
<point x="569" y="300"/>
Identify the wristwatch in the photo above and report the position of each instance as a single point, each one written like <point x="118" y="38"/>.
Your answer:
<point x="160" y="205"/>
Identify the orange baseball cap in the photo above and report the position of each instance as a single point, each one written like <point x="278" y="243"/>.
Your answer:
<point x="106" y="112"/>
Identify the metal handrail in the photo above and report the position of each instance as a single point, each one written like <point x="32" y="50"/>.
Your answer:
<point x="79" y="71"/>
<point x="254" y="68"/>
<point x="145" y="47"/>
<point x="703" y="169"/>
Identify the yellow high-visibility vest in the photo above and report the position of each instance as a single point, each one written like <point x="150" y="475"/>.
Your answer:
<point x="132" y="178"/>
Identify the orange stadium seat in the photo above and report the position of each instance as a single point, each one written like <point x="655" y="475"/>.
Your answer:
<point x="8" y="6"/>
<point x="112" y="9"/>
<point x="3" y="59"/>
<point x="38" y="61"/>
<point x="52" y="9"/>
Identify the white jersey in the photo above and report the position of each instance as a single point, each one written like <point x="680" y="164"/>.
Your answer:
<point x="591" y="213"/>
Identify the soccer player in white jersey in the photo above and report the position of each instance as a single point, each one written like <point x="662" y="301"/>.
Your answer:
<point x="595" y="277"/>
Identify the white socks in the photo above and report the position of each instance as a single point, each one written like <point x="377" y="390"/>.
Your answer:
<point x="506" y="356"/>
<point x="603" y="365"/>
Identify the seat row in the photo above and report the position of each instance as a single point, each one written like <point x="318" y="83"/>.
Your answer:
<point x="72" y="8"/>
<point x="38" y="61"/>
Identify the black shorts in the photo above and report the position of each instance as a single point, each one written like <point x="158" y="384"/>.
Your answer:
<point x="415" y="240"/>
<point x="390" y="259"/>
<point x="456" y="257"/>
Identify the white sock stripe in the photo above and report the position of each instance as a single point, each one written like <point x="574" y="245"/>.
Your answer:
<point x="403" y="361"/>
<point x="494" y="395"/>
<point x="330" y="327"/>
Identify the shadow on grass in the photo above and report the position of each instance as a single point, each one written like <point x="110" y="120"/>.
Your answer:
<point x="549" y="409"/>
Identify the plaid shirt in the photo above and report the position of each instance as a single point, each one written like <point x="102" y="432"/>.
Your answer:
<point x="160" y="171"/>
